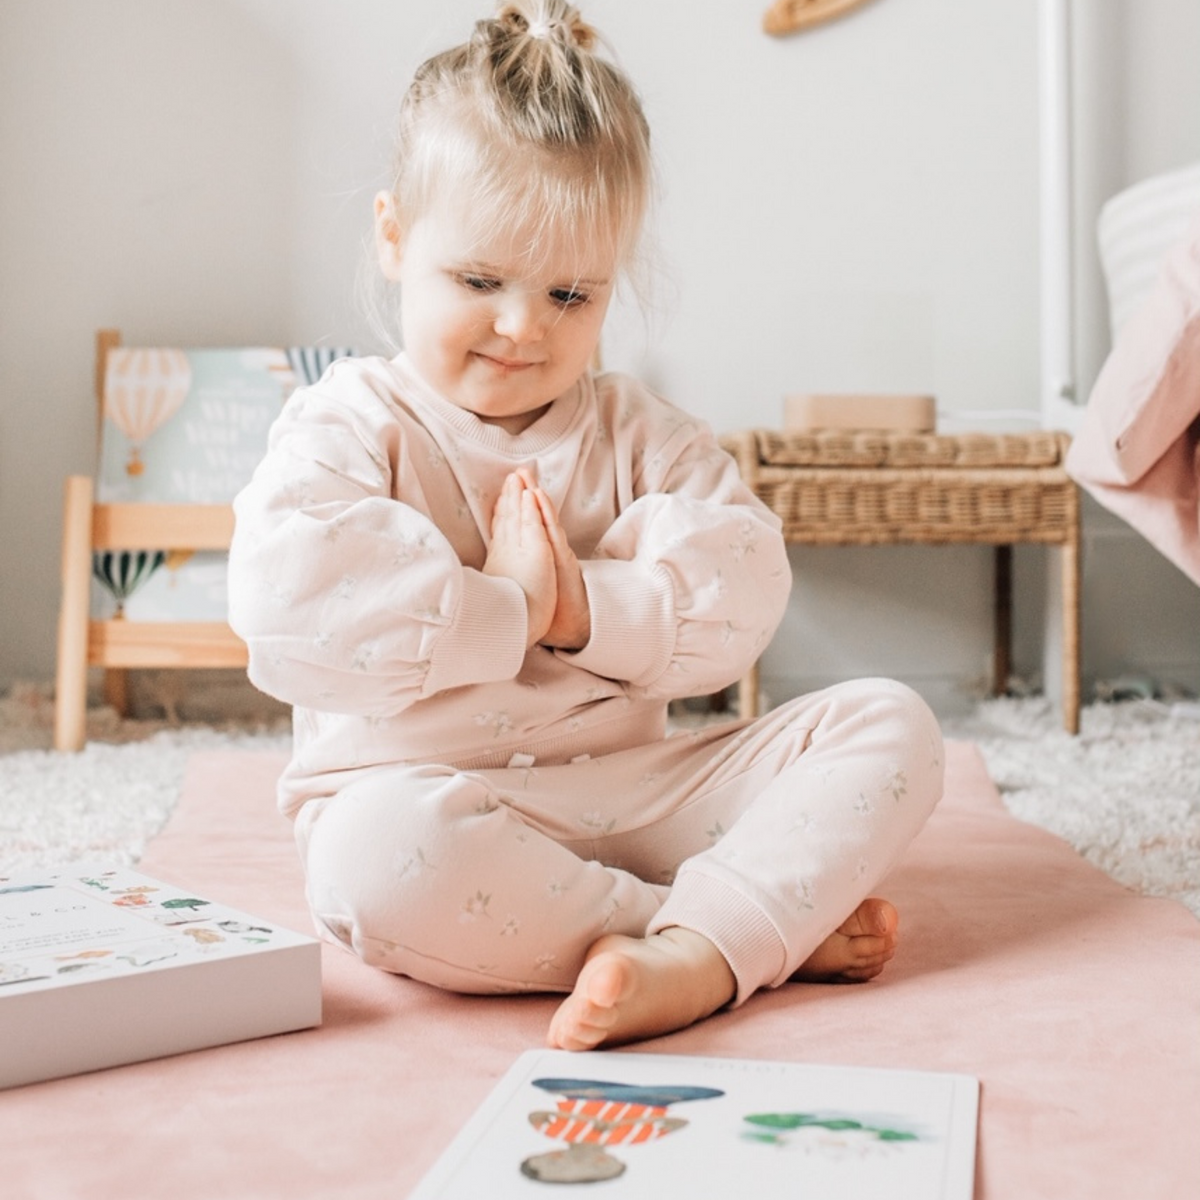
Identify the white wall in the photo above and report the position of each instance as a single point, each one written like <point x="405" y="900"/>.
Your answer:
<point x="850" y="208"/>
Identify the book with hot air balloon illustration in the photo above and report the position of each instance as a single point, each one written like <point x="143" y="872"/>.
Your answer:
<point x="654" y="1125"/>
<point x="101" y="966"/>
<point x="185" y="427"/>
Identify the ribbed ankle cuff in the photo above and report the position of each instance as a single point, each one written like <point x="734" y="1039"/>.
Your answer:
<point x="742" y="932"/>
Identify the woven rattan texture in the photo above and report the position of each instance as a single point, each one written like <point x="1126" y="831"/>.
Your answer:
<point x="869" y="448"/>
<point x="874" y="488"/>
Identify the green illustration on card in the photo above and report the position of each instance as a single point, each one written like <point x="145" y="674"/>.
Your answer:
<point x="829" y="1131"/>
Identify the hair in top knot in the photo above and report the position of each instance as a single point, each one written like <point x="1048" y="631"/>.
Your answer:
<point x="531" y="121"/>
<point x="569" y="26"/>
<point x="544" y="72"/>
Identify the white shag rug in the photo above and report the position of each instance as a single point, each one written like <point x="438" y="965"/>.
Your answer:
<point x="107" y="801"/>
<point x="1125" y="792"/>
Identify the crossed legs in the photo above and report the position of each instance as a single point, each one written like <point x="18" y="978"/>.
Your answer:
<point x="654" y="886"/>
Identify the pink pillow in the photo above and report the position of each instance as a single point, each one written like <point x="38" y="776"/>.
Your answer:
<point x="1136" y="450"/>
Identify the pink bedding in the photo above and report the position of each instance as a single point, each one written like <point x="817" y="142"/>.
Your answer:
<point x="1075" y="1002"/>
<point x="1138" y="449"/>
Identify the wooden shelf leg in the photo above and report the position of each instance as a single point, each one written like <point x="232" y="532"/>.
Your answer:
<point x="116" y="690"/>
<point x="70" y="689"/>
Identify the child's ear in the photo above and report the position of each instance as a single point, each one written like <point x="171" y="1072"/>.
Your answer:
<point x="389" y="237"/>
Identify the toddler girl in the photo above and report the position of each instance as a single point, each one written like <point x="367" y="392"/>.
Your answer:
<point x="479" y="571"/>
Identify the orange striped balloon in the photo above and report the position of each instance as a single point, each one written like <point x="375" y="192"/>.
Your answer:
<point x="605" y="1122"/>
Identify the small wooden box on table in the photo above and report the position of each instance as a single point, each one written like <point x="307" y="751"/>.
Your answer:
<point x="868" y="488"/>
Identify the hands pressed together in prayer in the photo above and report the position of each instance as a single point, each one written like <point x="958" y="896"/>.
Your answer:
<point x="530" y="547"/>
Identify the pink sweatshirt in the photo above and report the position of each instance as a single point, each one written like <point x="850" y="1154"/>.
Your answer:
<point x="355" y="576"/>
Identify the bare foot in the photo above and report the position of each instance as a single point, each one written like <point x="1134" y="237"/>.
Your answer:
<point x="634" y="988"/>
<point x="858" y="949"/>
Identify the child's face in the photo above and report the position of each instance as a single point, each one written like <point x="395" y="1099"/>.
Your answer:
<point x="488" y="334"/>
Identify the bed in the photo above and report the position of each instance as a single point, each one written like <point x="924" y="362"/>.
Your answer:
<point x="1138" y="448"/>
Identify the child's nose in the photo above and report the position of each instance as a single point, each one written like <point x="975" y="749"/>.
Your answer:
<point x="520" y="319"/>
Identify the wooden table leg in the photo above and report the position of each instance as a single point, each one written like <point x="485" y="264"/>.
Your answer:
<point x="1002" y="649"/>
<point x="1071" y="637"/>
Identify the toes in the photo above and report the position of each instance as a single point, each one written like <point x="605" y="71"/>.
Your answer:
<point x="602" y="982"/>
<point x="858" y="949"/>
<point x="588" y="1015"/>
<point x="873" y="917"/>
<point x="574" y="1038"/>
<point x="858" y="974"/>
<point x="863" y="950"/>
<point x="571" y="1029"/>
<point x="863" y="967"/>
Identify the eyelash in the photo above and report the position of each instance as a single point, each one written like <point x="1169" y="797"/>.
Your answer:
<point x="569" y="298"/>
<point x="564" y="297"/>
<point x="478" y="283"/>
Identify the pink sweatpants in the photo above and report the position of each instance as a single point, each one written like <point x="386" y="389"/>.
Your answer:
<point x="763" y="836"/>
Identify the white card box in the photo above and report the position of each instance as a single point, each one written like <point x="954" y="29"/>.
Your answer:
<point x="103" y="966"/>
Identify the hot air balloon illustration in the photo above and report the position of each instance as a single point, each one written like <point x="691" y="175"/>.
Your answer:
<point x="593" y="1115"/>
<point x="122" y="572"/>
<point x="309" y="363"/>
<point x="142" y="389"/>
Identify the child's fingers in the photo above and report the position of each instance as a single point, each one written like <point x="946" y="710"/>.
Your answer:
<point x="558" y="538"/>
<point x="532" y="526"/>
<point x="548" y="511"/>
<point x="564" y="556"/>
<point x="506" y="507"/>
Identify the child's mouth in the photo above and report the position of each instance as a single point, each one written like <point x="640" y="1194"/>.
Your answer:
<point x="505" y="365"/>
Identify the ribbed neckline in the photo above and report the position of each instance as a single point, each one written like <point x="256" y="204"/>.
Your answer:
<point x="548" y="429"/>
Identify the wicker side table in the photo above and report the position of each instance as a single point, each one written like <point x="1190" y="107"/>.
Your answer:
<point x="864" y="488"/>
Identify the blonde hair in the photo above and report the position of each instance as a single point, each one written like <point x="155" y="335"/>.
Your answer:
<point x="536" y="126"/>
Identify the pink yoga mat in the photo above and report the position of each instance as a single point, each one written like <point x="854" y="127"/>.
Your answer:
<point x="1073" y="1000"/>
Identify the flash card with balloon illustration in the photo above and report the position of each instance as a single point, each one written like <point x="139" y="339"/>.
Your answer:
<point x="185" y="427"/>
<point x="651" y="1125"/>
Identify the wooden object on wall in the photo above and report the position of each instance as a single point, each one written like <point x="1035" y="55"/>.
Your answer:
<point x="791" y="16"/>
<point x="119" y="644"/>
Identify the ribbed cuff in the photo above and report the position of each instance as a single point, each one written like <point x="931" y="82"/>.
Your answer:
<point x="742" y="932"/>
<point x="486" y="640"/>
<point x="633" y="622"/>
